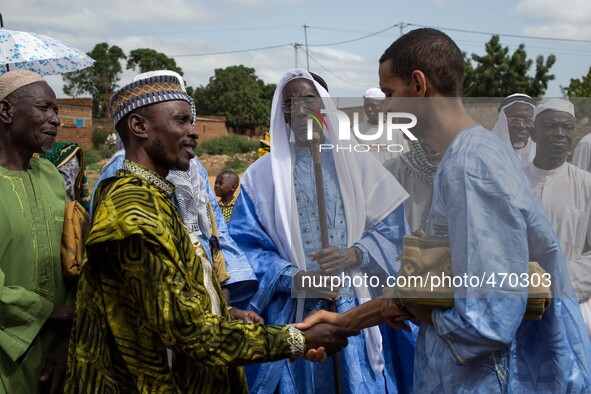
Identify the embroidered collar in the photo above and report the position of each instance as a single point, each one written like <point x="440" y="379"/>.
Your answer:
<point x="141" y="172"/>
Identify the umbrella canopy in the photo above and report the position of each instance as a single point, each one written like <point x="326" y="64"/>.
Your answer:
<point x="38" y="53"/>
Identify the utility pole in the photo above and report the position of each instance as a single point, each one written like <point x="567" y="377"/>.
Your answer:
<point x="402" y="26"/>
<point x="295" y="48"/>
<point x="306" y="38"/>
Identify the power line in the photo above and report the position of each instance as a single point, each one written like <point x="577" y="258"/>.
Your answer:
<point x="355" y="39"/>
<point x="334" y="75"/>
<point x="164" y="33"/>
<point x="235" y="51"/>
<point x="503" y="34"/>
<point x="282" y="45"/>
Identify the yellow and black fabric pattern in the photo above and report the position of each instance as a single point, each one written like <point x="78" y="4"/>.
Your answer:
<point x="141" y="291"/>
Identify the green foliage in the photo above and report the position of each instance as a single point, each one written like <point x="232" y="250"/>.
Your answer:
<point x="579" y="92"/>
<point x="99" y="137"/>
<point x="227" y="145"/>
<point x="579" y="87"/>
<point x="238" y="94"/>
<point x="91" y="157"/>
<point x="100" y="80"/>
<point x="500" y="74"/>
<point x="146" y="59"/>
<point x="238" y="165"/>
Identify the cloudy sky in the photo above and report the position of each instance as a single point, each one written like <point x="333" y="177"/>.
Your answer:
<point x="345" y="37"/>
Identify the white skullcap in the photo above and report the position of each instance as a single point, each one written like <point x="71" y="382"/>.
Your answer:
<point x="555" y="104"/>
<point x="14" y="80"/>
<point x="158" y="73"/>
<point x="374" y="93"/>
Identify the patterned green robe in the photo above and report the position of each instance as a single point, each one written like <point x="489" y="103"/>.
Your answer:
<point x="141" y="291"/>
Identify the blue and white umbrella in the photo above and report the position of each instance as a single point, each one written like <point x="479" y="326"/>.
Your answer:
<point x="38" y="53"/>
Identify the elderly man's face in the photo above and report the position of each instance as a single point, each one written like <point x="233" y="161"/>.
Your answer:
<point x="172" y="137"/>
<point x="372" y="108"/>
<point x="553" y="135"/>
<point x="34" y="117"/>
<point x="299" y="99"/>
<point x="520" y="123"/>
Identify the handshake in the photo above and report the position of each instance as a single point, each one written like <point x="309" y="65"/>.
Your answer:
<point x="334" y="328"/>
<point x="324" y="339"/>
<point x="327" y="332"/>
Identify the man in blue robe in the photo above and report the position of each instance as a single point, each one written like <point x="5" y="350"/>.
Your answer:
<point x="277" y="225"/>
<point x="484" y="205"/>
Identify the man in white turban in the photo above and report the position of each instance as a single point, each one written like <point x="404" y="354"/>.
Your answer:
<point x="515" y="123"/>
<point x="565" y="193"/>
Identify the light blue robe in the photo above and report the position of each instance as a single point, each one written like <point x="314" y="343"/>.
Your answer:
<point x="242" y="282"/>
<point x="380" y="245"/>
<point x="484" y="204"/>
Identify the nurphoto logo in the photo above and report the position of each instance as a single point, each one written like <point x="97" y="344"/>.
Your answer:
<point x="396" y="122"/>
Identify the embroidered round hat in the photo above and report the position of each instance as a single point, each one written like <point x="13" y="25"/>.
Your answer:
<point x="146" y="91"/>
<point x="14" y="80"/>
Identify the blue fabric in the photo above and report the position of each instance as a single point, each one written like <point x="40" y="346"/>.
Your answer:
<point x="242" y="282"/>
<point x="484" y="204"/>
<point x="273" y="300"/>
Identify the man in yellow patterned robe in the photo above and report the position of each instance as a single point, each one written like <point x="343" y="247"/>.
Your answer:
<point x="147" y="289"/>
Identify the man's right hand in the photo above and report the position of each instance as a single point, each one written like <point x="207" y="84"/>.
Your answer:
<point x="305" y="281"/>
<point x="332" y="338"/>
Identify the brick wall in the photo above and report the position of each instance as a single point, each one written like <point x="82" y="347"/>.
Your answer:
<point x="209" y="127"/>
<point x="78" y="125"/>
<point x="76" y="118"/>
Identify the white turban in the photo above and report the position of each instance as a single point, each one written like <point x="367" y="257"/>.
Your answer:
<point x="555" y="104"/>
<point x="374" y="93"/>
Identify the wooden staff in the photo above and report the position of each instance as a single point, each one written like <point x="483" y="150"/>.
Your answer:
<point x="319" y="181"/>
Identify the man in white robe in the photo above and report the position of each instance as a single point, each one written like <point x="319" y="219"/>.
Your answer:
<point x="381" y="147"/>
<point x="582" y="154"/>
<point x="514" y="125"/>
<point x="565" y="193"/>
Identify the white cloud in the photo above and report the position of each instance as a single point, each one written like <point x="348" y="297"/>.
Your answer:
<point x="156" y="12"/>
<point x="552" y="11"/>
<point x="248" y="3"/>
<point x="548" y="18"/>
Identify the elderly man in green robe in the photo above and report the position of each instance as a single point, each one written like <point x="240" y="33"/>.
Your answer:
<point x="33" y="314"/>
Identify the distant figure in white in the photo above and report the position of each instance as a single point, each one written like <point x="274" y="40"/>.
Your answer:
<point x="565" y="193"/>
<point x="382" y="148"/>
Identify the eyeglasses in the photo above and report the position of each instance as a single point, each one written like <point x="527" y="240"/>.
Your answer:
<point x="522" y="123"/>
<point x="301" y="102"/>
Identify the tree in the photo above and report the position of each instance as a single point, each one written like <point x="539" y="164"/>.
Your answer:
<point x="146" y="60"/>
<point x="579" y="91"/>
<point x="578" y="87"/>
<point x="499" y="74"/>
<point x="100" y="80"/>
<point x="238" y="94"/>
